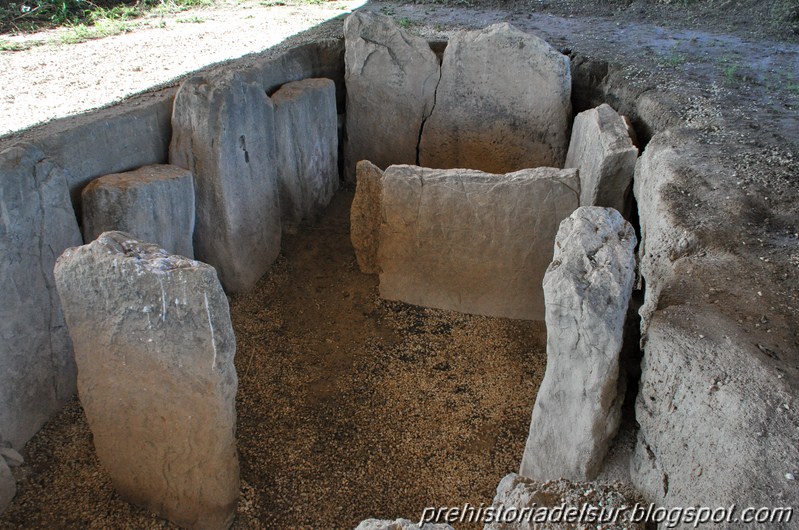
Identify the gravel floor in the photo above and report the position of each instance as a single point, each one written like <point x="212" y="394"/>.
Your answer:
<point x="349" y="406"/>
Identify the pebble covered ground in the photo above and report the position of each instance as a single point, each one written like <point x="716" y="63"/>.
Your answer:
<point x="349" y="406"/>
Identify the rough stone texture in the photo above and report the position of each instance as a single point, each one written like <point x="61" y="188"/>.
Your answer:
<point x="306" y="128"/>
<point x="471" y="241"/>
<point x="601" y="148"/>
<point x="37" y="223"/>
<point x="153" y="204"/>
<point x="717" y="396"/>
<point x="587" y="290"/>
<point x="155" y="346"/>
<point x="224" y="133"/>
<point x="519" y="492"/>
<point x="391" y="79"/>
<point x="8" y="486"/>
<point x="399" y="524"/>
<point x="503" y="103"/>
<point x="365" y="216"/>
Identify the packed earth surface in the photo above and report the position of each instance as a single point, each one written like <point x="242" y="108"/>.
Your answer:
<point x="351" y="407"/>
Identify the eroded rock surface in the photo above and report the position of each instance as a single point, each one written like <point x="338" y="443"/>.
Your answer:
<point x="306" y="128"/>
<point x="587" y="290"/>
<point x="153" y="203"/>
<point x="154" y="347"/>
<point x="602" y="149"/>
<point x="8" y="485"/>
<point x="541" y="498"/>
<point x="37" y="223"/>
<point x="471" y="241"/>
<point x="391" y="79"/>
<point x="223" y="131"/>
<point x="365" y="216"/>
<point x="503" y="103"/>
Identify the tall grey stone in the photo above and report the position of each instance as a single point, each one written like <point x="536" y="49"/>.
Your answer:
<point x="37" y="369"/>
<point x="8" y="486"/>
<point x="503" y="103"/>
<point x="471" y="241"/>
<point x="223" y="131"/>
<point x="155" y="346"/>
<point x="587" y="290"/>
<point x="153" y="203"/>
<point x="601" y="148"/>
<point x="306" y="128"/>
<point x="391" y="79"/>
<point x="365" y="216"/>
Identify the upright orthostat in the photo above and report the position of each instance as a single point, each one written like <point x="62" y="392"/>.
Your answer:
<point x="470" y="241"/>
<point x="587" y="290"/>
<point x="154" y="347"/>
<point x="223" y="131"/>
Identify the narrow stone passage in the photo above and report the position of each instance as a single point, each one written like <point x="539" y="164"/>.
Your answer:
<point x="349" y="407"/>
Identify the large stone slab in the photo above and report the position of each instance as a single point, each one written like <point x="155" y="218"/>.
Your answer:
<point x="223" y="131"/>
<point x="155" y="346"/>
<point x="503" y="103"/>
<point x="365" y="216"/>
<point x="587" y="290"/>
<point x="37" y="369"/>
<point x="153" y="203"/>
<point x="601" y="148"/>
<point x="471" y="241"/>
<point x="546" y="505"/>
<point x="717" y="397"/>
<point x="391" y="79"/>
<point x="306" y="129"/>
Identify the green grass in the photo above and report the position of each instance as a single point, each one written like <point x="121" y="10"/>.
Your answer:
<point x="10" y="46"/>
<point x="99" y="29"/>
<point x="190" y="20"/>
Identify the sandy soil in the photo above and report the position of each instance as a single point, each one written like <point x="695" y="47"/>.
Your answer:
<point x="56" y="79"/>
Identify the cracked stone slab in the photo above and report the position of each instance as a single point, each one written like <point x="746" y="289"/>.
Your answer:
<point x="154" y="347"/>
<point x="602" y="149"/>
<point x="153" y="203"/>
<point x="224" y="133"/>
<point x="365" y="216"/>
<point x="391" y="78"/>
<point x="37" y="223"/>
<point x="503" y="103"/>
<point x="470" y="241"/>
<point x="587" y="290"/>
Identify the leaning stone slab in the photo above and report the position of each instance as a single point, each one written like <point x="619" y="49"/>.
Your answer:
<point x="391" y="79"/>
<point x="37" y="223"/>
<point x="154" y="347"/>
<point x="601" y="148"/>
<point x="153" y="203"/>
<point x="587" y="289"/>
<point x="471" y="241"/>
<point x="306" y="128"/>
<point x="223" y="131"/>
<point x="399" y="524"/>
<point x="503" y="103"/>
<point x="365" y="216"/>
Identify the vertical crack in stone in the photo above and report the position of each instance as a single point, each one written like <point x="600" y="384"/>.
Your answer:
<point x="426" y="117"/>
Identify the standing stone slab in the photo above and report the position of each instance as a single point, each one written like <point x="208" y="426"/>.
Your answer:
<point x="153" y="203"/>
<point x="601" y="148"/>
<point x="587" y="289"/>
<point x="365" y="216"/>
<point x="155" y="348"/>
<point x="223" y="131"/>
<point x="503" y="104"/>
<point x="37" y="369"/>
<point x="391" y="79"/>
<point x="471" y="241"/>
<point x="8" y="486"/>
<point x="306" y="127"/>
